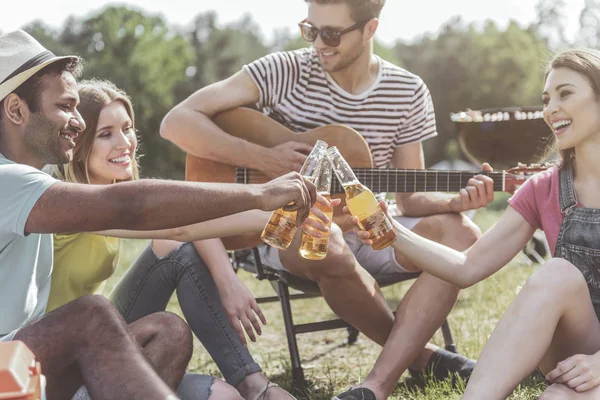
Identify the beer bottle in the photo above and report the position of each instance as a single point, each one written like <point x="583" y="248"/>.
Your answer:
<point x="362" y="203"/>
<point x="281" y="228"/>
<point x="315" y="248"/>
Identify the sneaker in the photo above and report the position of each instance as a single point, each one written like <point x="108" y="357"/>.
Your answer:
<point x="443" y="364"/>
<point x="358" y="393"/>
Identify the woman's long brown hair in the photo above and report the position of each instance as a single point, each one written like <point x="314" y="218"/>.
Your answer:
<point x="94" y="95"/>
<point x="587" y="63"/>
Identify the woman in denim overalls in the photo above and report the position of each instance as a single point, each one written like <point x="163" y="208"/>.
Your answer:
<point x="553" y="324"/>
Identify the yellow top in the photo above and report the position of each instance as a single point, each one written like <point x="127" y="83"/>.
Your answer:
<point x="82" y="264"/>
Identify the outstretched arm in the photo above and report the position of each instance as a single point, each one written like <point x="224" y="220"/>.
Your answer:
<point x="491" y="252"/>
<point x="252" y="221"/>
<point x="230" y="225"/>
<point x="156" y="204"/>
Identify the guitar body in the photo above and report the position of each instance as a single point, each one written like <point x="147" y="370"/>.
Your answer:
<point x="257" y="128"/>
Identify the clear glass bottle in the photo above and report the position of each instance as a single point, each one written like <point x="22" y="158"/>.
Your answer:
<point x="315" y="248"/>
<point x="362" y="203"/>
<point x="281" y="228"/>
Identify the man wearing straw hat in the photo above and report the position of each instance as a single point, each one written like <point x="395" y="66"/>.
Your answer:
<point x="87" y="341"/>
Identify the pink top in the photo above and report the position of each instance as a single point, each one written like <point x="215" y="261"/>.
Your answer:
<point x="538" y="202"/>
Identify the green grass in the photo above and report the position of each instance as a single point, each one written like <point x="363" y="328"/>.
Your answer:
<point x="331" y="366"/>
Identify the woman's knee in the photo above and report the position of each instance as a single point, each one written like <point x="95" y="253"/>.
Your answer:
<point x="162" y="248"/>
<point x="223" y="391"/>
<point x="557" y="276"/>
<point x="205" y="387"/>
<point x="557" y="392"/>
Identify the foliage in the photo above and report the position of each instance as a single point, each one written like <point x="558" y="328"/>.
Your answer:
<point x="464" y="65"/>
<point x="550" y="21"/>
<point x="589" y="21"/>
<point x="140" y="54"/>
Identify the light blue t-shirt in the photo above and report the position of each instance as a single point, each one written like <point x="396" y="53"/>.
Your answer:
<point x="25" y="260"/>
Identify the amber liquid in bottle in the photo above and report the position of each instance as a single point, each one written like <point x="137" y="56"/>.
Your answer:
<point x="314" y="248"/>
<point x="280" y="229"/>
<point x="363" y="204"/>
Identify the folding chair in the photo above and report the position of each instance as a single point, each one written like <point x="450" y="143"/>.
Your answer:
<point x="282" y="281"/>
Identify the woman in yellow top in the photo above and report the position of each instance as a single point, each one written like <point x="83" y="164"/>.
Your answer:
<point x="213" y="299"/>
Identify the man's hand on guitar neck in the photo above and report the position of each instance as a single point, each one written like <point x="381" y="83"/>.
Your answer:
<point x="290" y="191"/>
<point x="284" y="158"/>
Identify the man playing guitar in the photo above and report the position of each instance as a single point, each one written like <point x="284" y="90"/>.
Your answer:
<point x="340" y="81"/>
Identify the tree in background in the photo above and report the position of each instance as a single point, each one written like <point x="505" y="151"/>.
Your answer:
<point x="589" y="22"/>
<point x="221" y="52"/>
<point x="550" y="22"/>
<point x="467" y="67"/>
<point x="464" y="65"/>
<point x="146" y="58"/>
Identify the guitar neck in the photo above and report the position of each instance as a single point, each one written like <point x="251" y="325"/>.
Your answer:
<point x="399" y="180"/>
<point x="417" y="180"/>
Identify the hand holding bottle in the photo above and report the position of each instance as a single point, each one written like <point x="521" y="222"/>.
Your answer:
<point x="290" y="192"/>
<point x="284" y="222"/>
<point x="321" y="221"/>
<point x="362" y="204"/>
<point x="365" y="236"/>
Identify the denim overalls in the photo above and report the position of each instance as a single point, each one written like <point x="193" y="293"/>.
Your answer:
<point x="579" y="238"/>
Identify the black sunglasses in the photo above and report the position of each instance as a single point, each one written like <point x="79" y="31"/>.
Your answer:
<point x="331" y="37"/>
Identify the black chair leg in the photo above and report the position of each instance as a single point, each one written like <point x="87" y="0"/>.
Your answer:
<point x="298" y="382"/>
<point x="448" y="341"/>
<point x="352" y="335"/>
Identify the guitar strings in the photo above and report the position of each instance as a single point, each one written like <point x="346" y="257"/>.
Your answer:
<point x="415" y="179"/>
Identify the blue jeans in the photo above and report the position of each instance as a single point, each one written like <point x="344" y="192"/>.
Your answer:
<point x="148" y="285"/>
<point x="146" y="288"/>
<point x="191" y="387"/>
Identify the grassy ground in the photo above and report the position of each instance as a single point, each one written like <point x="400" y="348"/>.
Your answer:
<point x="331" y="366"/>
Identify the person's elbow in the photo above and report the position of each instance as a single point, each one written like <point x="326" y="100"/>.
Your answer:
<point x="462" y="283"/>
<point x="467" y="278"/>
<point x="166" y="131"/>
<point x="180" y="234"/>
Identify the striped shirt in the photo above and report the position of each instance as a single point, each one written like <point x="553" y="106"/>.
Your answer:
<point x="295" y="91"/>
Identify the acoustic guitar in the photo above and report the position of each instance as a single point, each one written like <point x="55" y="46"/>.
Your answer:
<point x="258" y="128"/>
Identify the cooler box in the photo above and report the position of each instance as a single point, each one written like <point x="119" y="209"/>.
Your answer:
<point x="20" y="375"/>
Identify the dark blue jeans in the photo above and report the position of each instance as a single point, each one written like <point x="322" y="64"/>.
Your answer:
<point x="148" y="285"/>
<point x="192" y="387"/>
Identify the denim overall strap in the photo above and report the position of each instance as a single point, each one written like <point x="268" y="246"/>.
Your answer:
<point x="568" y="197"/>
<point x="568" y="201"/>
<point x="577" y="240"/>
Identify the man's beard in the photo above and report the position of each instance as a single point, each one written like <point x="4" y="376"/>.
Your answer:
<point x="345" y="63"/>
<point x="42" y="139"/>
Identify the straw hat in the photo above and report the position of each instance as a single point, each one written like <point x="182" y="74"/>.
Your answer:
<point x="21" y="56"/>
